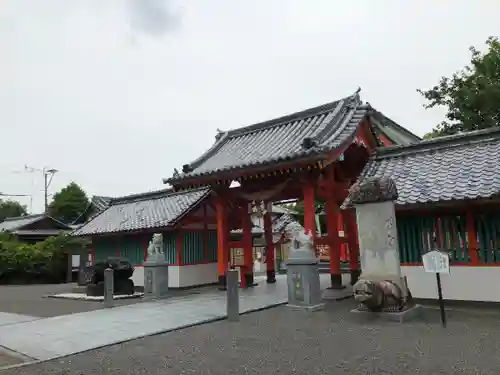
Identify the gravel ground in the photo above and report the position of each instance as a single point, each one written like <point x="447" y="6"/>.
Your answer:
<point x="283" y="341"/>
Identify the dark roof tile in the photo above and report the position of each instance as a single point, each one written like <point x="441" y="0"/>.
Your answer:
<point x="143" y="211"/>
<point x="464" y="166"/>
<point x="329" y="126"/>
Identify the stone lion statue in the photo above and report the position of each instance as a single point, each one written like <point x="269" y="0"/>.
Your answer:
<point x="382" y="295"/>
<point x="156" y="244"/>
<point x="300" y="239"/>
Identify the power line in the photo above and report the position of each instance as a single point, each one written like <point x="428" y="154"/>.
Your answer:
<point x="48" y="175"/>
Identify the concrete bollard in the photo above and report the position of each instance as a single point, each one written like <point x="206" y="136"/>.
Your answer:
<point x="233" y="299"/>
<point x="108" y="287"/>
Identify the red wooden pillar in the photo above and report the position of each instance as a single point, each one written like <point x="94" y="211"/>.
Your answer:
<point x="268" y="234"/>
<point x="471" y="236"/>
<point x="309" y="209"/>
<point x="353" y="244"/>
<point x="343" y="248"/>
<point x="247" y="269"/>
<point x="332" y="215"/>
<point x="222" y="240"/>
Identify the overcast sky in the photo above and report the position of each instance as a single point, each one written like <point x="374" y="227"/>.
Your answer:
<point x="115" y="94"/>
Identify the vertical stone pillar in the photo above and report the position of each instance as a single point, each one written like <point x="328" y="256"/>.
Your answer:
<point x="373" y="200"/>
<point x="233" y="301"/>
<point x="380" y="287"/>
<point x="109" y="287"/>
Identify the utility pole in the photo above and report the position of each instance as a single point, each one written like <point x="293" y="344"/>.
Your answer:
<point x="47" y="172"/>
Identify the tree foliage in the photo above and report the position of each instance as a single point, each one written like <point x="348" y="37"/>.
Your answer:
<point x="11" y="208"/>
<point x="44" y="261"/>
<point x="471" y="96"/>
<point x="319" y="208"/>
<point x="69" y="203"/>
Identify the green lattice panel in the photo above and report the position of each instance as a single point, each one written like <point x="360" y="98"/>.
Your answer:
<point x="133" y="249"/>
<point x="169" y="247"/>
<point x="212" y="246"/>
<point x="192" y="248"/>
<point x="103" y="249"/>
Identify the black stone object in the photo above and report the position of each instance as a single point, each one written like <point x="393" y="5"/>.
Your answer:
<point x="122" y="271"/>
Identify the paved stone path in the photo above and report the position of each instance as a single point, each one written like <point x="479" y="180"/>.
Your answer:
<point x="8" y="318"/>
<point x="288" y="342"/>
<point x="58" y="336"/>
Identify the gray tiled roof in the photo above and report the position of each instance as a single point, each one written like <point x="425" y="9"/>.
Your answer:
<point x="13" y="223"/>
<point x="465" y="166"/>
<point x="329" y="126"/>
<point x="143" y="211"/>
<point x="100" y="203"/>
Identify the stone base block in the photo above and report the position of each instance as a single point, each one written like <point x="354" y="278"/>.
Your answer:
<point x="333" y="294"/>
<point x="317" y="307"/>
<point x="399" y="317"/>
<point x="155" y="279"/>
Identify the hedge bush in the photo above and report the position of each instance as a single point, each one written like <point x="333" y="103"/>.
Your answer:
<point x="42" y="262"/>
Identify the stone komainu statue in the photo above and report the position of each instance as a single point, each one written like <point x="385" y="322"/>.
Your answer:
<point x="122" y="272"/>
<point x="155" y="246"/>
<point x="300" y="239"/>
<point x="382" y="295"/>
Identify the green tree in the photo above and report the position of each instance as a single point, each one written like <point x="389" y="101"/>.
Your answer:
<point x="471" y="96"/>
<point x="10" y="208"/>
<point x="319" y="208"/>
<point x="69" y="203"/>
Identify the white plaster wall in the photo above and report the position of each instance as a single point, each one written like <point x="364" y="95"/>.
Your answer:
<point x="463" y="283"/>
<point x="183" y="276"/>
<point x="196" y="274"/>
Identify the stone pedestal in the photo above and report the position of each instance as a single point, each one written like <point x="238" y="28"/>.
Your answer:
<point x="303" y="280"/>
<point x="155" y="278"/>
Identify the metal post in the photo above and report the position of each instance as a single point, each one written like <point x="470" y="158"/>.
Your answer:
<point x="441" y="301"/>
<point x="233" y="302"/>
<point x="108" y="287"/>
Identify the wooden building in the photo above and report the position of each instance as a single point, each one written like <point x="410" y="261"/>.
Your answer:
<point x="187" y="221"/>
<point x="318" y="152"/>
<point x="33" y="228"/>
<point x="449" y="190"/>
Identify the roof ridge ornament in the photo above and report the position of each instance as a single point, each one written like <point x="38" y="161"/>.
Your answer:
<point x="219" y="134"/>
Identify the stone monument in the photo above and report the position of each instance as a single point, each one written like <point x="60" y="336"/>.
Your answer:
<point x="302" y="270"/>
<point x="381" y="288"/>
<point x="156" y="269"/>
